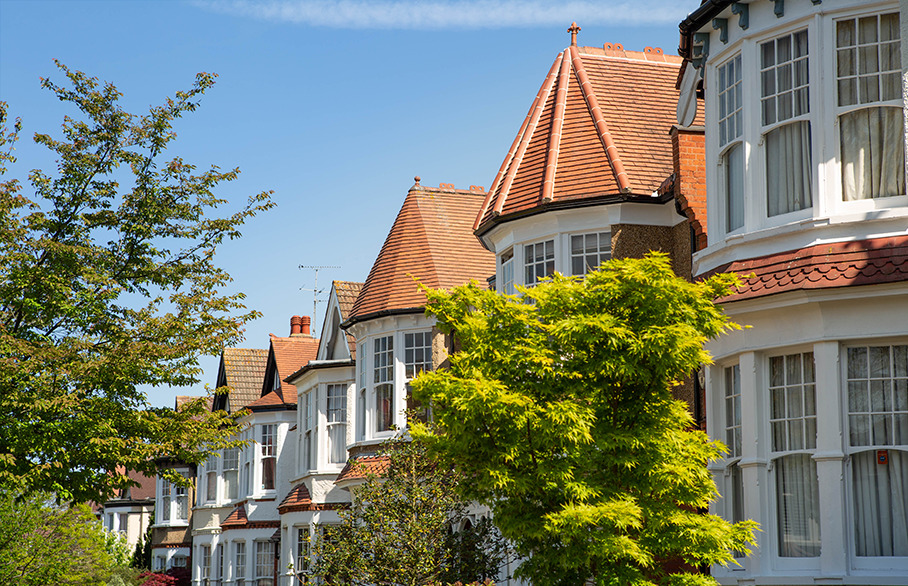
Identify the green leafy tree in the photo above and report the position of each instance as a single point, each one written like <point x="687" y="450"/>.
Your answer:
<point x="43" y="543"/>
<point x="558" y="412"/>
<point x="108" y="282"/>
<point x="400" y="529"/>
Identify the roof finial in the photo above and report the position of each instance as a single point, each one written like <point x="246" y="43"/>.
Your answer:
<point x="574" y="30"/>
<point x="417" y="179"/>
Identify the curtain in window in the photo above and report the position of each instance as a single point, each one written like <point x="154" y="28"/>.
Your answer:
<point x="798" y="506"/>
<point x="734" y="187"/>
<point x="873" y="153"/>
<point x="337" y="443"/>
<point x="880" y="504"/>
<point x="788" y="168"/>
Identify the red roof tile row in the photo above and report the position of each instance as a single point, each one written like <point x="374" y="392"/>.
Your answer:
<point x="364" y="466"/>
<point x="823" y="266"/>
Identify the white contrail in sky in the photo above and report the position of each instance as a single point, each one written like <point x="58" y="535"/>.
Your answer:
<point x="454" y="14"/>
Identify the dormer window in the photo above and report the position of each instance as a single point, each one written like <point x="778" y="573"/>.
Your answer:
<point x="870" y="117"/>
<point x="785" y="106"/>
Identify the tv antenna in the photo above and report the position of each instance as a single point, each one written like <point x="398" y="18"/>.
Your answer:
<point x="315" y="290"/>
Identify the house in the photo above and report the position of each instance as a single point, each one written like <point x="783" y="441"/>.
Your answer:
<point x="805" y="177"/>
<point x="236" y="521"/>
<point x="171" y="537"/>
<point x="241" y="371"/>
<point x="325" y="390"/>
<point x="599" y="169"/>
<point x="131" y="510"/>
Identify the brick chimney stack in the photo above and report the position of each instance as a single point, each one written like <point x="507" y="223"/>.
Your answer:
<point x="305" y="321"/>
<point x="296" y="325"/>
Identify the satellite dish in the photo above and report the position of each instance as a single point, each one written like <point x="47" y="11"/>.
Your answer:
<point x="687" y="101"/>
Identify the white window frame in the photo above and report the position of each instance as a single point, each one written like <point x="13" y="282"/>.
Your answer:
<point x="240" y="571"/>
<point x="584" y="255"/>
<point x="837" y="202"/>
<point x="547" y="259"/>
<point x="731" y="396"/>
<point x="263" y="547"/>
<point x="733" y="138"/>
<point x="267" y="448"/>
<point x="506" y="263"/>
<point x="230" y="457"/>
<point x="889" y="563"/>
<point x="412" y="365"/>
<point x="383" y="375"/>
<point x="302" y="551"/>
<point x="792" y="413"/>
<point x="170" y="496"/>
<point x="336" y="418"/>
<point x="205" y="563"/>
<point x="308" y="418"/>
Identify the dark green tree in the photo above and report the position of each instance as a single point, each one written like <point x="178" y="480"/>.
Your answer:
<point x="407" y="528"/>
<point x="558" y="413"/>
<point x="108" y="282"/>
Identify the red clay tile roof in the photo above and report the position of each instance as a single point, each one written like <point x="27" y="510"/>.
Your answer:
<point x="145" y="489"/>
<point x="598" y="127"/>
<point x="243" y="370"/>
<point x="362" y="467"/>
<point x="823" y="266"/>
<point x="236" y="519"/>
<point x="298" y="499"/>
<point x="271" y="399"/>
<point x="291" y="354"/>
<point x="432" y="240"/>
<point x="181" y="400"/>
<point x="347" y="292"/>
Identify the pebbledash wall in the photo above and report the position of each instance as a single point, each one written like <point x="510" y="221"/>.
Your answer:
<point x="805" y="175"/>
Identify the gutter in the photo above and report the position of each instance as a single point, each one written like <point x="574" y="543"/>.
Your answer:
<point x="696" y="20"/>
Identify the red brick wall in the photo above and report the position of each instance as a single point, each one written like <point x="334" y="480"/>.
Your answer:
<point x="689" y="160"/>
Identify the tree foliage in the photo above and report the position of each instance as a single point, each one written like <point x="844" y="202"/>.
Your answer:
<point x="43" y="543"/>
<point x="408" y="528"/>
<point x="108" y="282"/>
<point x="558" y="412"/>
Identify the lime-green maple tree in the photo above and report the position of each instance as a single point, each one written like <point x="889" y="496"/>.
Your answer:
<point x="558" y="411"/>
<point x="108" y="282"/>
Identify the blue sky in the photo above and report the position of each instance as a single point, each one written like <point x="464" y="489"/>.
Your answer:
<point x="333" y="105"/>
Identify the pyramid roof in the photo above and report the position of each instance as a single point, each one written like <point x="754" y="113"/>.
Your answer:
<point x="598" y="128"/>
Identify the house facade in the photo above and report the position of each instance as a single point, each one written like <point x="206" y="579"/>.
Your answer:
<point x="805" y="175"/>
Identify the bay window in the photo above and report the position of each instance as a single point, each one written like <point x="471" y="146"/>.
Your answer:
<point x="211" y="479"/>
<point x="308" y="462"/>
<point x="588" y="251"/>
<point x="869" y="106"/>
<point x="205" y="567"/>
<point x="383" y="377"/>
<point x="337" y="423"/>
<point x="785" y="106"/>
<point x="302" y="553"/>
<point x="361" y="400"/>
<point x="877" y="389"/>
<point x="793" y="424"/>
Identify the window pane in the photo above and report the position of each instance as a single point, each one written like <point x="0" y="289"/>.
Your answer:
<point x="788" y="168"/>
<point x="880" y="503"/>
<point x="798" y="502"/>
<point x="734" y="187"/>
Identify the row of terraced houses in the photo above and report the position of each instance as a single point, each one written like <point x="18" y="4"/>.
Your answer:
<point x="773" y="146"/>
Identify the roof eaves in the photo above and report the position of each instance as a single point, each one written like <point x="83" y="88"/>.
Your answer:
<point x="704" y="13"/>
<point x="382" y="313"/>
<point x="319" y="364"/>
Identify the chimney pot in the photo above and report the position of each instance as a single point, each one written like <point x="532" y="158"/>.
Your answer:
<point x="296" y="324"/>
<point x="304" y="322"/>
